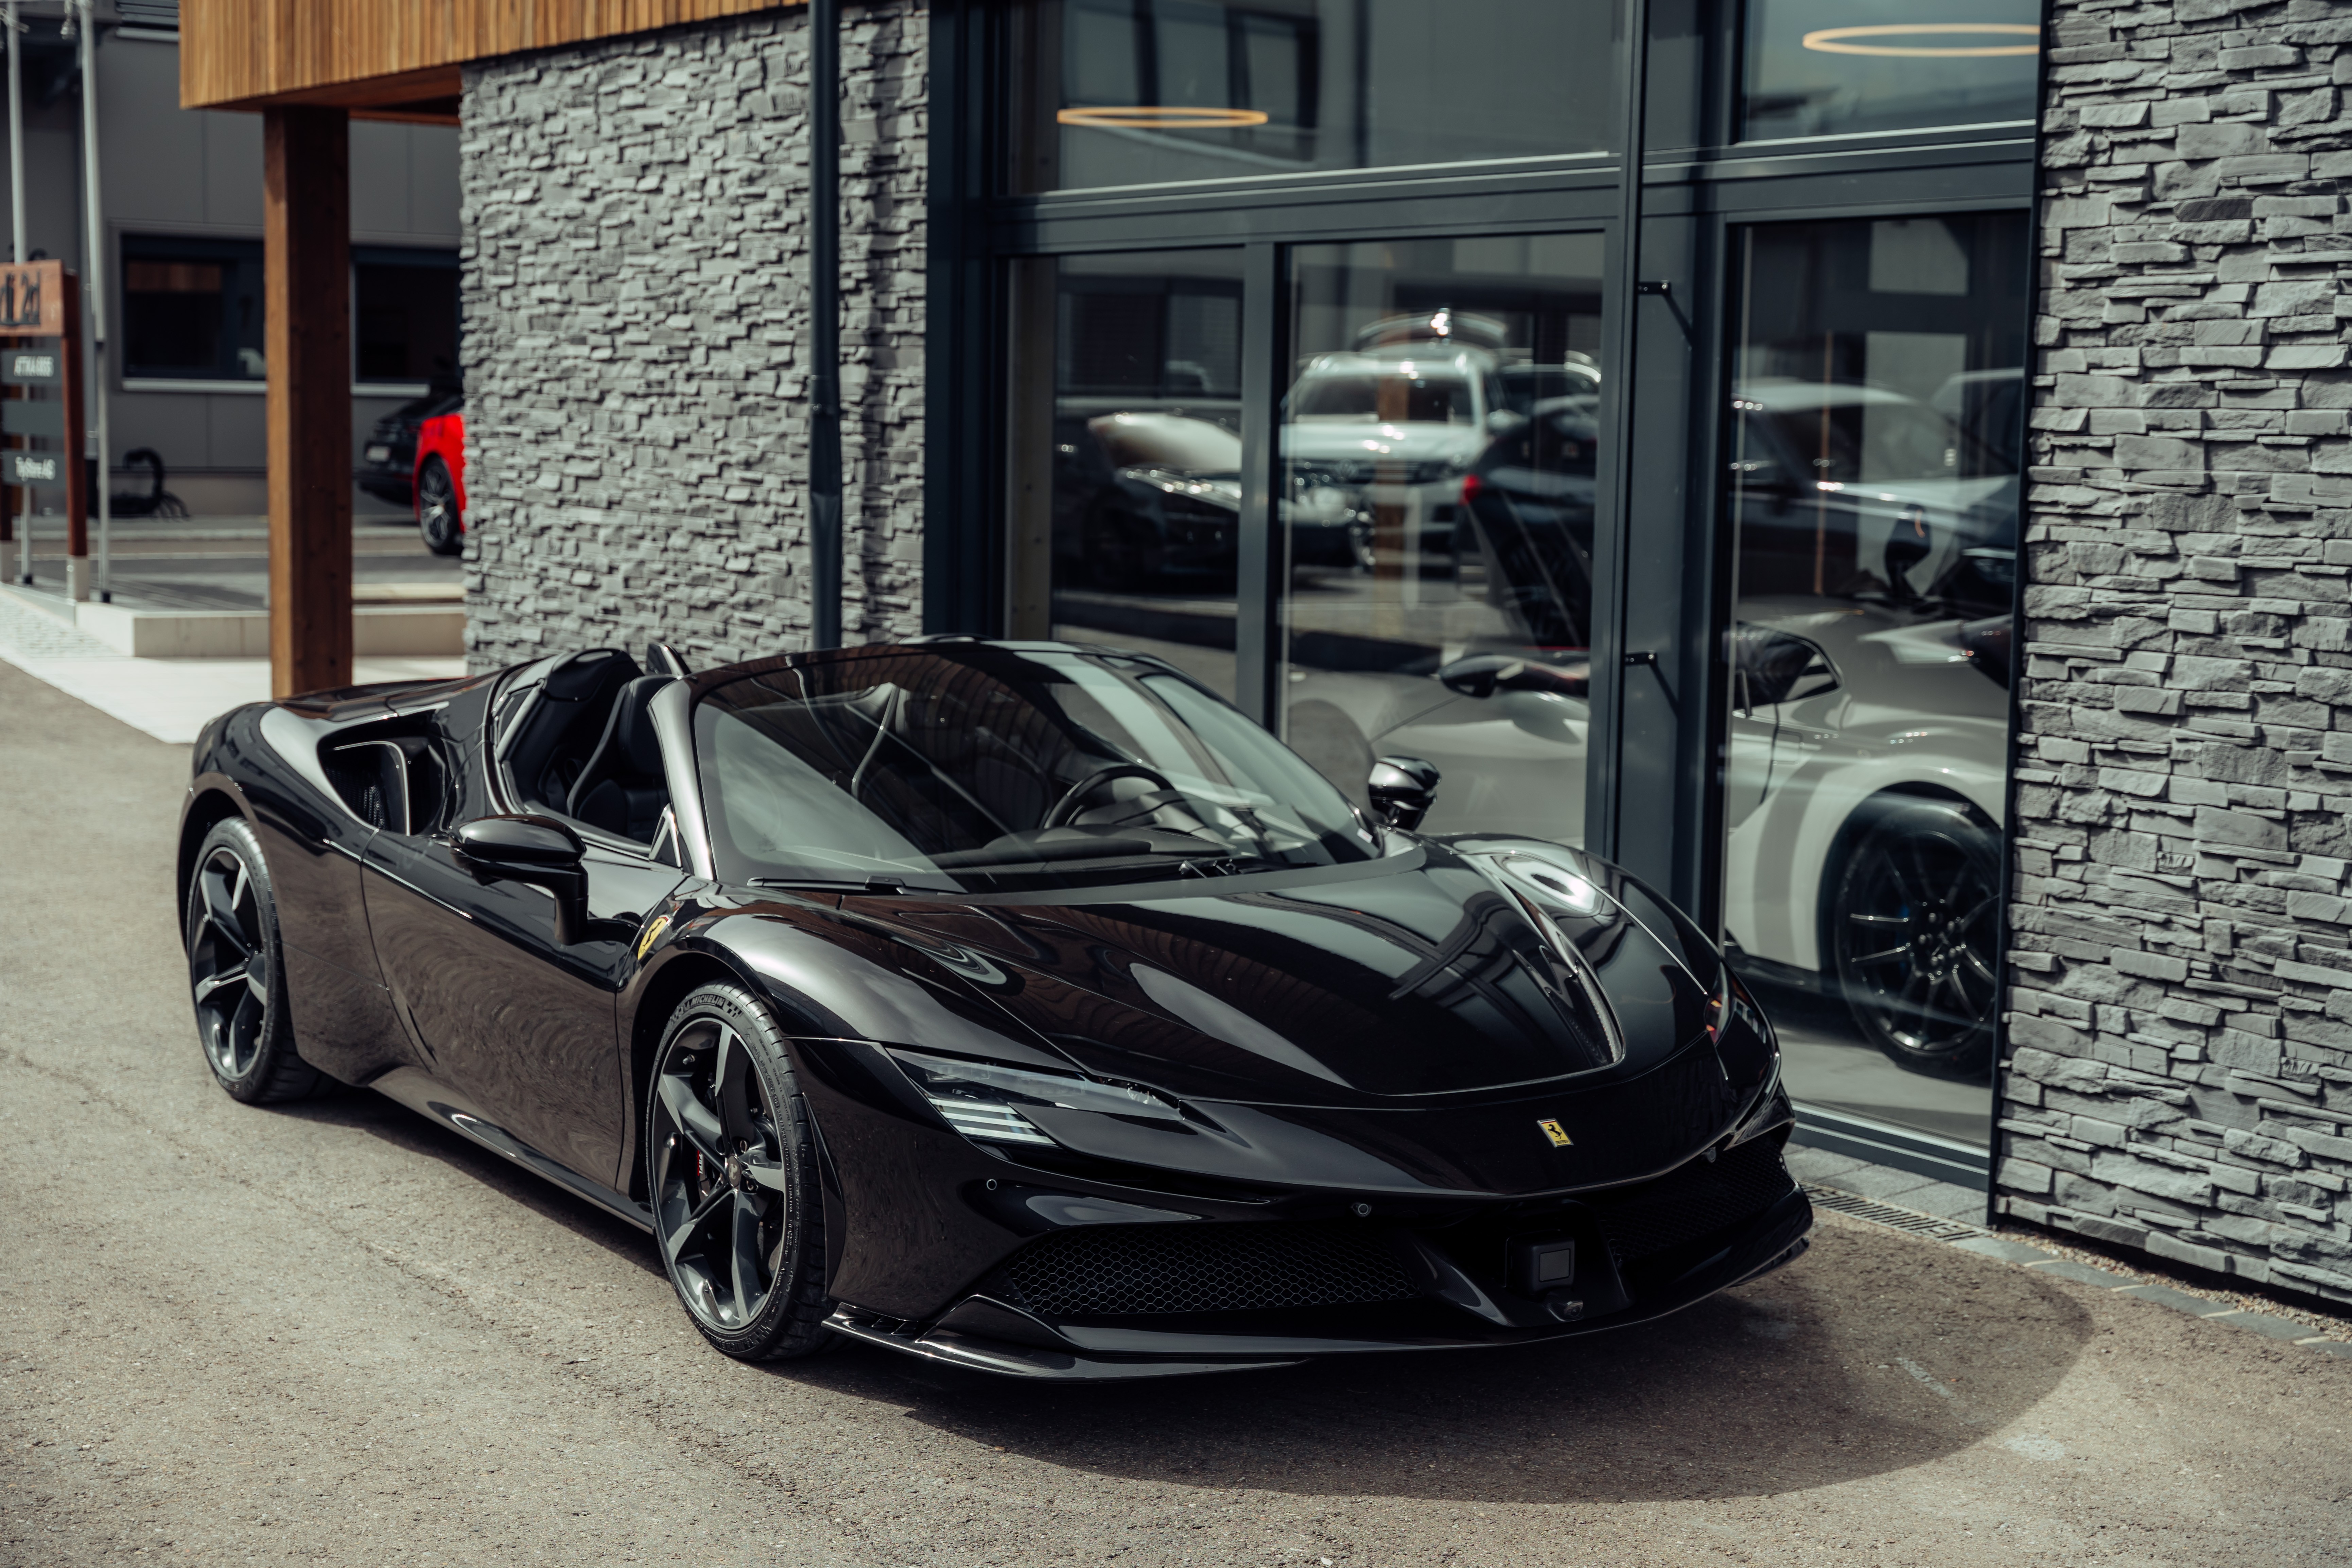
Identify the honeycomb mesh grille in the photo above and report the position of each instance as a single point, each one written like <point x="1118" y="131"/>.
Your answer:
<point x="1119" y="1270"/>
<point x="1697" y="1200"/>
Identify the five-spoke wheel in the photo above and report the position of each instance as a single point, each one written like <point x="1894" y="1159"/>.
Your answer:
<point x="731" y="1174"/>
<point x="234" y="970"/>
<point x="1913" y="923"/>
<point x="437" y="516"/>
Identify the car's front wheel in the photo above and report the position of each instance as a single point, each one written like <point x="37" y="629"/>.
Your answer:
<point x="437" y="516"/>
<point x="236" y="974"/>
<point x="731" y="1164"/>
<point x="1915" y="914"/>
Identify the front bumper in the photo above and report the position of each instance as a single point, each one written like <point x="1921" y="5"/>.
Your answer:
<point x="936" y="1246"/>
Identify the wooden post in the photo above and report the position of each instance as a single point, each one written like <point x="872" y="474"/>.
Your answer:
<point x="306" y="305"/>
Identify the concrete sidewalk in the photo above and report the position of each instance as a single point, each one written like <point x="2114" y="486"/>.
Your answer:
<point x="337" y="1335"/>
<point x="168" y="699"/>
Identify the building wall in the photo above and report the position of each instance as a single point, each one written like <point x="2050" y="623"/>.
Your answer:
<point x="635" y="311"/>
<point x="2181" y="1033"/>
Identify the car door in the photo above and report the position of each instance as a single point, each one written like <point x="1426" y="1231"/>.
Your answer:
<point x="519" y="1024"/>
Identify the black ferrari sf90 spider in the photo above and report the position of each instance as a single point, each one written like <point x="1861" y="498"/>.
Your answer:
<point x="1020" y="1005"/>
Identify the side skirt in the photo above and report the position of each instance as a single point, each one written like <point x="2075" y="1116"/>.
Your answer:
<point x="437" y="1103"/>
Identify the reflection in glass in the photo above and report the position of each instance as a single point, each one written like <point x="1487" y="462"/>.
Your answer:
<point x="1435" y="495"/>
<point x="1119" y="93"/>
<point x="1826" y="67"/>
<point x="1872" y="505"/>
<point x="1126" y="459"/>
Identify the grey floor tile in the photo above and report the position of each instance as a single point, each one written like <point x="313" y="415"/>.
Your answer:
<point x="2066" y="1268"/>
<point x="2179" y="1301"/>
<point x="2263" y="1323"/>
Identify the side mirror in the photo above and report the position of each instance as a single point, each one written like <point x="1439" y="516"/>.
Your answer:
<point x="541" y="852"/>
<point x="1480" y="675"/>
<point x="1402" y="790"/>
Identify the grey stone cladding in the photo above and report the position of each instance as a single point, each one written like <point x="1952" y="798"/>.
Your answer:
<point x="636" y="313"/>
<point x="2180" y="1076"/>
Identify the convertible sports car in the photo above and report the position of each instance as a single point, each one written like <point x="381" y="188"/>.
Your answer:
<point x="1020" y="1005"/>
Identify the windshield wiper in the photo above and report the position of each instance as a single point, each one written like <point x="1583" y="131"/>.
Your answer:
<point x="879" y="885"/>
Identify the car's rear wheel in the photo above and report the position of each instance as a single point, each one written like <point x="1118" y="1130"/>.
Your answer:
<point x="1914" y="919"/>
<point x="730" y="1166"/>
<point x="236" y="974"/>
<point x="437" y="516"/>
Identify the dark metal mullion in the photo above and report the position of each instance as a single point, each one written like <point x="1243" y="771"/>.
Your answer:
<point x="1619" y="303"/>
<point x="1258" y="577"/>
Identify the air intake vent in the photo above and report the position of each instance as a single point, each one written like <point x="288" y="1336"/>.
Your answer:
<point x="1121" y="1271"/>
<point x="1697" y="1200"/>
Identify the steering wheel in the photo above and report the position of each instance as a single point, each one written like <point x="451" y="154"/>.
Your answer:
<point x="1065" y="807"/>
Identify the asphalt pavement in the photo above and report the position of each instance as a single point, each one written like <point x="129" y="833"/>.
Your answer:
<point x="337" y="1335"/>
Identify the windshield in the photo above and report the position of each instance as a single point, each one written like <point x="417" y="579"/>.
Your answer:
<point x="1387" y="399"/>
<point x="974" y="768"/>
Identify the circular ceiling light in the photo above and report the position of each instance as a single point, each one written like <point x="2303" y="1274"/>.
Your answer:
<point x="1847" y="41"/>
<point x="1163" y="117"/>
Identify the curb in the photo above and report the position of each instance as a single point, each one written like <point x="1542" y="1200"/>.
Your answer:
<point x="1983" y="1242"/>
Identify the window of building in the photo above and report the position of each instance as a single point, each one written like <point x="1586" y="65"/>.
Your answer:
<point x="1120" y="92"/>
<point x="1126" y="456"/>
<point x="191" y="309"/>
<point x="404" y="314"/>
<point x="1874" y="434"/>
<point x="1829" y="68"/>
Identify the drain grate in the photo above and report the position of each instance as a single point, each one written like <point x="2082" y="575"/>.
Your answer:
<point x="1888" y="1215"/>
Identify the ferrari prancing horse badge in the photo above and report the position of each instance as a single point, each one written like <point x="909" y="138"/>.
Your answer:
<point x="1556" y="1132"/>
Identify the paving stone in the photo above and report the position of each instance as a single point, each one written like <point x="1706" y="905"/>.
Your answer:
<point x="2179" y="1301"/>
<point x="2082" y="1273"/>
<point x="2007" y="1251"/>
<point x="2265" y="1325"/>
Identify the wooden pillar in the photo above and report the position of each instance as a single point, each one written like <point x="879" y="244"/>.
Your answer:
<point x="306" y="302"/>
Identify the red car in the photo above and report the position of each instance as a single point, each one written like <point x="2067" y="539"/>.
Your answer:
<point x="440" y="482"/>
<point x="416" y="456"/>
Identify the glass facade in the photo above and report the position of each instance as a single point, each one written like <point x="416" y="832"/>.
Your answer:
<point x="1125" y="402"/>
<point x="1842" y="68"/>
<point x="1872" y="518"/>
<point x="1123" y="93"/>
<point x="1435" y="485"/>
<point x="1677" y="520"/>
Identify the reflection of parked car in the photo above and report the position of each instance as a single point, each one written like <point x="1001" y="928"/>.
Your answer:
<point x="1528" y="502"/>
<point x="1577" y="381"/>
<point x="416" y="457"/>
<point x="1863" y="793"/>
<point x="1390" y="434"/>
<point x="1146" y="496"/>
<point x="1845" y="489"/>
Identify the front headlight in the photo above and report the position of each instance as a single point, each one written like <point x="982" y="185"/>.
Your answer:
<point x="985" y="1101"/>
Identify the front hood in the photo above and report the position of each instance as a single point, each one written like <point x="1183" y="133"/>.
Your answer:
<point x="1361" y="443"/>
<point x="1397" y="984"/>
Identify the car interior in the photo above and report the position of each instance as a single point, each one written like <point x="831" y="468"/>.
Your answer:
<point x="583" y="746"/>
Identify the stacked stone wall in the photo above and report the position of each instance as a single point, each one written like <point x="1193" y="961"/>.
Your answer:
<point x="2181" y="1026"/>
<point x="636" y="325"/>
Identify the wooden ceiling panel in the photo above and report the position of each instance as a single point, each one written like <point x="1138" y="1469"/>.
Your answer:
<point x="380" y="54"/>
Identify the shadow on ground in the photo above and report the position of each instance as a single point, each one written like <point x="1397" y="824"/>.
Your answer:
<point x="1873" y="1354"/>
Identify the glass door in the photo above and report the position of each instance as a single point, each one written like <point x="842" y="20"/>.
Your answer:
<point x="1435" y="500"/>
<point x="1872" y="511"/>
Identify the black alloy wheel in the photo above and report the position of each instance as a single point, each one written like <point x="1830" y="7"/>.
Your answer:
<point x="731" y="1168"/>
<point x="236" y="974"/>
<point x="1913" y="922"/>
<point x="437" y="518"/>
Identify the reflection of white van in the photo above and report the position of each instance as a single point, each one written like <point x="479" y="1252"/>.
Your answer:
<point x="1395" y="427"/>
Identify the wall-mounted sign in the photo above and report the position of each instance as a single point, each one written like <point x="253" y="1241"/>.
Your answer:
<point x="20" y="367"/>
<point x="33" y="299"/>
<point x="33" y="467"/>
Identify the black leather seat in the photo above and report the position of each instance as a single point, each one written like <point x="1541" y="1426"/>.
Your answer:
<point x="622" y="790"/>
